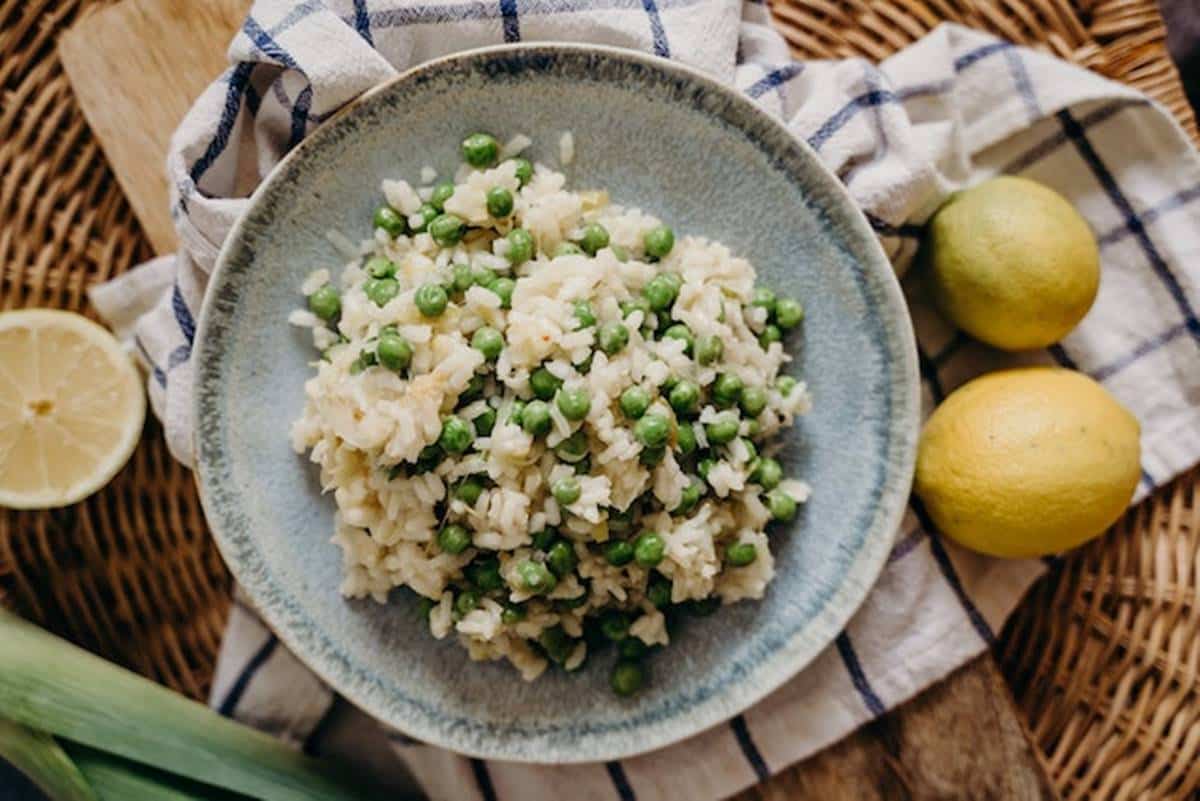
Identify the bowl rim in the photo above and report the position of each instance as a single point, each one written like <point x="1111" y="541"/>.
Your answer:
<point x="839" y="607"/>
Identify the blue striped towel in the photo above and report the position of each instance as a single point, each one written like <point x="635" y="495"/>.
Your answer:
<point x="954" y="108"/>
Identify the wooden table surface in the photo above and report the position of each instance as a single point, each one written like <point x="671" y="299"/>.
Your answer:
<point x="961" y="739"/>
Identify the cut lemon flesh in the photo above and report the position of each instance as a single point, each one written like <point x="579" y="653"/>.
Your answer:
<point x="71" y="408"/>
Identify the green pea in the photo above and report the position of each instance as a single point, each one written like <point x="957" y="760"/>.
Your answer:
<point x="366" y="358"/>
<point x="512" y="613"/>
<point x="584" y="314"/>
<point x="484" y="573"/>
<point x="690" y="497"/>
<point x="381" y="290"/>
<point x="620" y="252"/>
<point x="556" y="644"/>
<point x="571" y="603"/>
<point x="536" y="418"/>
<point x="627" y="678"/>
<point x="658" y="242"/>
<point x="326" y="303"/>
<point x="394" y="351"/>
<point x="584" y="466"/>
<point x="785" y="384"/>
<point x="740" y="554"/>
<point x="566" y="490"/>
<point x="704" y="466"/>
<point x="594" y="238"/>
<point x="483" y="276"/>
<point x="767" y="473"/>
<point x="431" y="300"/>
<point x="429" y="458"/>
<point x="499" y="202"/>
<point x="788" y="313"/>
<point x="618" y="552"/>
<point x="753" y="429"/>
<point x="723" y="429"/>
<point x="634" y="402"/>
<point x="447" y="229"/>
<point x="518" y="412"/>
<point x="524" y="170"/>
<point x="561" y="559"/>
<point x="488" y="341"/>
<point x="567" y="249"/>
<point x="614" y="625"/>
<point x="685" y="397"/>
<point x="454" y="539"/>
<point x="652" y="457"/>
<point x="682" y="333"/>
<point x="709" y="349"/>
<point x="704" y="607"/>
<point x="535" y="577"/>
<point x="573" y="448"/>
<point x="620" y="522"/>
<point x="427" y="214"/>
<point x="612" y="337"/>
<point x="658" y="591"/>
<point x="485" y="423"/>
<point x="652" y="430"/>
<point x="763" y="298"/>
<point x="465" y="602"/>
<point x="474" y="389"/>
<point x="770" y="333"/>
<point x="469" y="490"/>
<point x="389" y="220"/>
<point x="542" y="540"/>
<point x="750" y="449"/>
<point x="441" y="193"/>
<point x="544" y="383"/>
<point x="480" y="150"/>
<point x="639" y="303"/>
<point x="685" y="439"/>
<point x="574" y="403"/>
<point x="753" y="401"/>
<point x="660" y="293"/>
<point x="781" y="505"/>
<point x="460" y="278"/>
<point x="632" y="648"/>
<point x="456" y="435"/>
<point x="503" y="288"/>
<point x="520" y="246"/>
<point x="649" y="549"/>
<point x="380" y="267"/>
<point x="727" y="389"/>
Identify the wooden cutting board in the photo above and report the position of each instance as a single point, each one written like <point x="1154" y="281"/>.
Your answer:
<point x="137" y="66"/>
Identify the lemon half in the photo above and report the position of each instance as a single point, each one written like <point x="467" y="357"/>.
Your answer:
<point x="71" y="408"/>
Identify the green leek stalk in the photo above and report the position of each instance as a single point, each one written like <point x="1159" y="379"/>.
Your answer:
<point x="117" y="779"/>
<point x="42" y="760"/>
<point x="51" y="685"/>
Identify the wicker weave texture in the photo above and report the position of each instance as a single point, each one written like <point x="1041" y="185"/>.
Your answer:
<point x="1103" y="656"/>
<point x="132" y="572"/>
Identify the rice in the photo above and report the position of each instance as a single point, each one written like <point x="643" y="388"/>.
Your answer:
<point x="513" y="490"/>
<point x="566" y="148"/>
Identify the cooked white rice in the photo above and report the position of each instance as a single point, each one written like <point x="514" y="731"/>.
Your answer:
<point x="365" y="426"/>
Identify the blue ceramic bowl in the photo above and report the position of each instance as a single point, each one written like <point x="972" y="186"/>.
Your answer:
<point x="707" y="161"/>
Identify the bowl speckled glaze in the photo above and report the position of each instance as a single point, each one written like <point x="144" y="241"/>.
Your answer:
<point x="707" y="161"/>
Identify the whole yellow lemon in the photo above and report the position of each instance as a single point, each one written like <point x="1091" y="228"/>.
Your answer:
<point x="1012" y="263"/>
<point x="1027" y="462"/>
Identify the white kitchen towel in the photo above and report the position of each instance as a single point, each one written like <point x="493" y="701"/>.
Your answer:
<point x="952" y="109"/>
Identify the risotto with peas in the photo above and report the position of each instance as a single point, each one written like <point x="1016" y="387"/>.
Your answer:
<point x="548" y="416"/>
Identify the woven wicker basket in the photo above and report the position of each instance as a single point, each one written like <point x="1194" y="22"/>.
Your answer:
<point x="1103" y="656"/>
